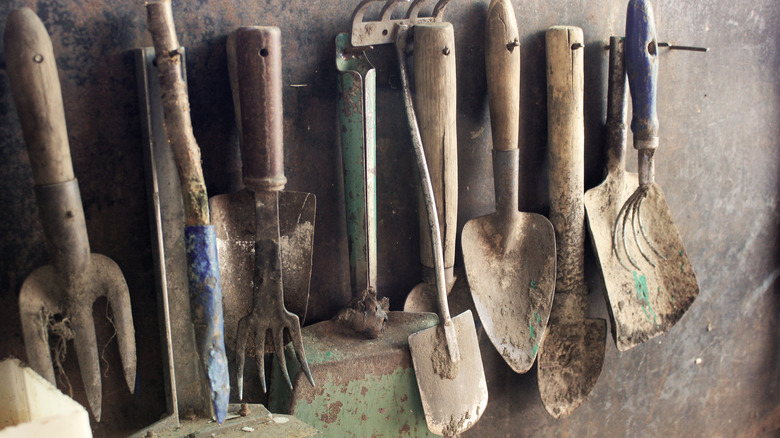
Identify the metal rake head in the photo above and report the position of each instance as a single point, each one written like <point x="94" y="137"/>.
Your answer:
<point x="47" y="292"/>
<point x="269" y="316"/>
<point x="384" y="30"/>
<point x="631" y="212"/>
<point x="257" y="325"/>
<point x="632" y="209"/>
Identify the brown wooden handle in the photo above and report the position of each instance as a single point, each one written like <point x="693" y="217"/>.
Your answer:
<point x="176" y="112"/>
<point x="566" y="154"/>
<point x="255" y="65"/>
<point x="32" y="72"/>
<point x="502" y="64"/>
<point x="435" y="101"/>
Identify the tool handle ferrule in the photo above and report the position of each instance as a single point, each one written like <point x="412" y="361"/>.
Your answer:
<point x="641" y="49"/>
<point x="65" y="228"/>
<point x="255" y="67"/>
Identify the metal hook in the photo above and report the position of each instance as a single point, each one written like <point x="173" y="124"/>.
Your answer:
<point x="671" y="46"/>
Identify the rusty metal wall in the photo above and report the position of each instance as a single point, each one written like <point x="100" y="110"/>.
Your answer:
<point x="714" y="374"/>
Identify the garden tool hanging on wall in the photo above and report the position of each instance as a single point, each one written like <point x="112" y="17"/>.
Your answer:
<point x="200" y="235"/>
<point x="649" y="281"/>
<point x="357" y="120"/>
<point x="250" y="222"/>
<point x="63" y="292"/>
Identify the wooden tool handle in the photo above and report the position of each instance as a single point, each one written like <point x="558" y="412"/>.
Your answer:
<point x="502" y="64"/>
<point x="566" y="154"/>
<point x="255" y="65"/>
<point x="32" y="72"/>
<point x="176" y="111"/>
<point x="616" y="107"/>
<point x="435" y="101"/>
<point x="642" y="67"/>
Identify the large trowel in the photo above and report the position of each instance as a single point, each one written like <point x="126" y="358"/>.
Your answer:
<point x="649" y="281"/>
<point x="572" y="353"/>
<point x="265" y="234"/>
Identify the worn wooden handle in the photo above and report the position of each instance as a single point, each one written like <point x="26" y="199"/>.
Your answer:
<point x="502" y="64"/>
<point x="435" y="101"/>
<point x="176" y="112"/>
<point x="617" y="96"/>
<point x="32" y="72"/>
<point x="255" y="66"/>
<point x="642" y="68"/>
<point x="565" y="131"/>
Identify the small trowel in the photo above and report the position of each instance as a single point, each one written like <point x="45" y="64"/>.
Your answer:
<point x="509" y="255"/>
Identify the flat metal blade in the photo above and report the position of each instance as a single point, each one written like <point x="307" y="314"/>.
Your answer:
<point x="648" y="302"/>
<point x="512" y="290"/>
<point x="454" y="395"/>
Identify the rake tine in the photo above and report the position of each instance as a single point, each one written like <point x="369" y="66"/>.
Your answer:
<point x="635" y="215"/>
<point x="36" y="298"/>
<point x="85" y="342"/>
<point x="260" y="355"/>
<point x="389" y="8"/>
<point x="414" y="10"/>
<point x="631" y="202"/>
<point x="297" y="341"/>
<point x="615" y="236"/>
<point x="360" y="10"/>
<point x="624" y="213"/>
<point x="365" y="33"/>
<point x="438" y="10"/>
<point x="115" y="287"/>
<point x="241" y="338"/>
<point x="650" y="244"/>
<point x="279" y="353"/>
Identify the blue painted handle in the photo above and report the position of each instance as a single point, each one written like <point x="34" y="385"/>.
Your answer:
<point x="642" y="67"/>
<point x="206" y="307"/>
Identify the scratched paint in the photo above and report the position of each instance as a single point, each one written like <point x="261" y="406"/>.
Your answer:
<point x="642" y="292"/>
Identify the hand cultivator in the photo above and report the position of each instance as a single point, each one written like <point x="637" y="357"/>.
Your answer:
<point x="75" y="278"/>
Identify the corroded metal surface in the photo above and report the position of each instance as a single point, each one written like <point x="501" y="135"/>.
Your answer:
<point x="366" y="387"/>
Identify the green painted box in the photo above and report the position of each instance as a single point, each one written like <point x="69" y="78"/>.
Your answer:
<point x="365" y="387"/>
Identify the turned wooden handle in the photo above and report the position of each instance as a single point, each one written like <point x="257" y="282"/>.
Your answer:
<point x="502" y="64"/>
<point x="176" y="112"/>
<point x="566" y="143"/>
<point x="255" y="66"/>
<point x="32" y="72"/>
<point x="435" y="101"/>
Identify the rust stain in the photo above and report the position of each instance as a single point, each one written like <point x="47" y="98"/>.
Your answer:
<point x="333" y="412"/>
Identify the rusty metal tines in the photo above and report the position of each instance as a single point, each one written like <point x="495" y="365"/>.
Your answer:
<point x="384" y="30"/>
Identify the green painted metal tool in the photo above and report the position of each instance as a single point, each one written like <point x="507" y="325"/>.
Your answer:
<point x="360" y="359"/>
<point x="357" y="122"/>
